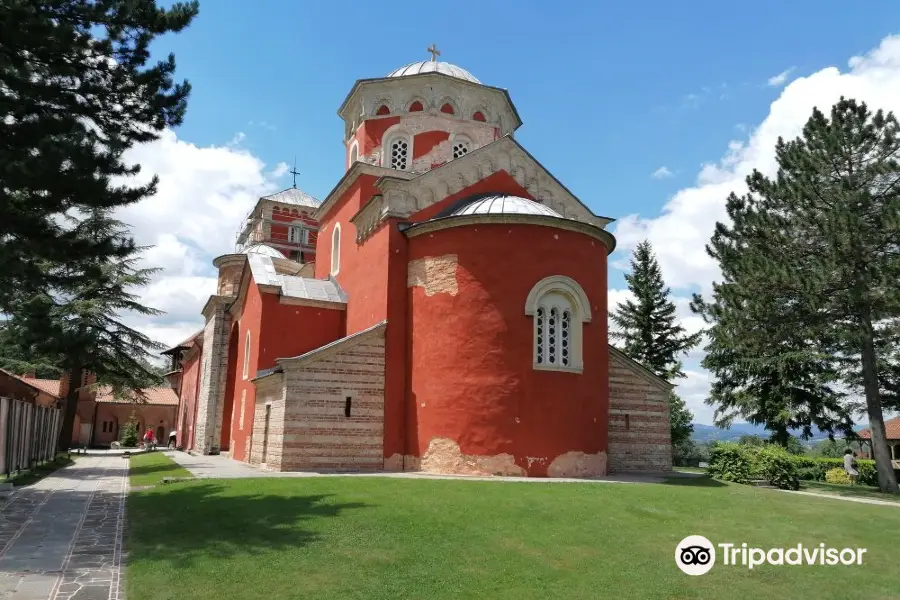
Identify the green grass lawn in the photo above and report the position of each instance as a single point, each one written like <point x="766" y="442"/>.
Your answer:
<point x="857" y="491"/>
<point x="400" y="539"/>
<point x="690" y="469"/>
<point x="150" y="468"/>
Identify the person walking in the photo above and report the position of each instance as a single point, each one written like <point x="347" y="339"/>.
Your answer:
<point x="850" y="465"/>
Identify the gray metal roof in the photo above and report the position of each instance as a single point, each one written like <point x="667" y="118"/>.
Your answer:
<point x="507" y="205"/>
<point x="322" y="290"/>
<point x="295" y="197"/>
<point x="430" y="66"/>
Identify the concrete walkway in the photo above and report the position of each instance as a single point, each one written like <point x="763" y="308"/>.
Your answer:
<point x="61" y="538"/>
<point x="223" y="467"/>
<point x="845" y="498"/>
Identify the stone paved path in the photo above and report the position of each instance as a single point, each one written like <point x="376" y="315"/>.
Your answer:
<point x="61" y="538"/>
<point x="857" y="499"/>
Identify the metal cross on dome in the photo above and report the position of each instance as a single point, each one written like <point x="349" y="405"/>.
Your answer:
<point x="294" y="172"/>
<point x="434" y="52"/>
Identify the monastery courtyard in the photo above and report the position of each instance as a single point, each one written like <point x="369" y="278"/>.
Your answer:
<point x="231" y="531"/>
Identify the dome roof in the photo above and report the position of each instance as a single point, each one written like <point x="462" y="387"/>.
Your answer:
<point x="295" y="197"/>
<point x="262" y="249"/>
<point x="431" y="66"/>
<point x="501" y="204"/>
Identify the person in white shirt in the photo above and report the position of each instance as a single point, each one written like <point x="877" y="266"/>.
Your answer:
<point x="850" y="465"/>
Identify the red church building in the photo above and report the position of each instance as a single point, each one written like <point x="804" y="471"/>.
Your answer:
<point x="443" y="309"/>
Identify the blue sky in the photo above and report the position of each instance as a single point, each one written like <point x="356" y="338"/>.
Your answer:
<point x="609" y="93"/>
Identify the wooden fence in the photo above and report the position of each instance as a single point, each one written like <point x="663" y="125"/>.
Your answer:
<point x="28" y="434"/>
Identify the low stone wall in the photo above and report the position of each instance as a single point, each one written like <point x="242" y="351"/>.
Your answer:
<point x="639" y="430"/>
<point x="321" y="389"/>
<point x="266" y="447"/>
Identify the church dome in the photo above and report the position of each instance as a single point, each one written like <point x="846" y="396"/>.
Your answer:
<point x="501" y="204"/>
<point x="264" y="250"/>
<point x="431" y="66"/>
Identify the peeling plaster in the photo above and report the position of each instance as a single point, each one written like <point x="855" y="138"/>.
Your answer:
<point x="578" y="464"/>
<point x="437" y="274"/>
<point x="444" y="456"/>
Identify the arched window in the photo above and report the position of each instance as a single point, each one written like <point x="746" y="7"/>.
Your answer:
<point x="559" y="307"/>
<point x="354" y="152"/>
<point x="246" y="369"/>
<point x="336" y="249"/>
<point x="478" y="116"/>
<point x="447" y="108"/>
<point x="416" y="106"/>
<point x="383" y="110"/>
<point x="398" y="153"/>
<point x="461" y="146"/>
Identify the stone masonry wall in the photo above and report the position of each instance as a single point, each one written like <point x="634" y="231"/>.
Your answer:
<point x="317" y="432"/>
<point x="639" y="435"/>
<point x="269" y="391"/>
<point x="208" y="428"/>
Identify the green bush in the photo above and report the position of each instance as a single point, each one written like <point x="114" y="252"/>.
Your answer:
<point x="776" y="465"/>
<point x="837" y="476"/>
<point x="810" y="473"/>
<point x="730" y="462"/>
<point x="867" y="473"/>
<point x="130" y="434"/>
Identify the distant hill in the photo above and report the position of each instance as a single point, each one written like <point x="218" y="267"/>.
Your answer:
<point x="710" y="433"/>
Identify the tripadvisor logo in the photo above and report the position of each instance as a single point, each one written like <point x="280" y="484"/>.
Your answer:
<point x="696" y="555"/>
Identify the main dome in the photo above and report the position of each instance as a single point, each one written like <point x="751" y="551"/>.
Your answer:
<point x="431" y="66"/>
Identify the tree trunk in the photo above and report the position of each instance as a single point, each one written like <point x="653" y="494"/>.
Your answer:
<point x="70" y="407"/>
<point x="887" y="481"/>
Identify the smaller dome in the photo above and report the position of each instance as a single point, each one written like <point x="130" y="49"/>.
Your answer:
<point x="264" y="250"/>
<point x="501" y="204"/>
<point x="431" y="66"/>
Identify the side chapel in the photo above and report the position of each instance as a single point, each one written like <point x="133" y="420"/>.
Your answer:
<point x="443" y="309"/>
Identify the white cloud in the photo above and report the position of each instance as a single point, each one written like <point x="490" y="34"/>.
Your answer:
<point x="661" y="173"/>
<point x="680" y="233"/>
<point x="780" y="79"/>
<point x="280" y="169"/>
<point x="204" y="193"/>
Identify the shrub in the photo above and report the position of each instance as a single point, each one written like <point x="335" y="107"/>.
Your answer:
<point x="777" y="466"/>
<point x="130" y="434"/>
<point x="867" y="473"/>
<point x="837" y="476"/>
<point x="730" y="462"/>
<point x="810" y="473"/>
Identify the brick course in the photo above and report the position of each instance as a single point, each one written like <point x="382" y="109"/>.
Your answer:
<point x="639" y="433"/>
<point x="308" y="428"/>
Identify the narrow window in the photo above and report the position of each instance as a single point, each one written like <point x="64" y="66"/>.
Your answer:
<point x="348" y="404"/>
<point x="478" y="116"/>
<point x="627" y="422"/>
<point x="447" y="108"/>
<point x="552" y="340"/>
<point x="399" y="154"/>
<point x="336" y="249"/>
<point x="383" y="110"/>
<point x="416" y="107"/>
<point x="354" y="154"/>
<point x="246" y="355"/>
<point x="539" y="326"/>
<point x="564" y="342"/>
<point x="295" y="234"/>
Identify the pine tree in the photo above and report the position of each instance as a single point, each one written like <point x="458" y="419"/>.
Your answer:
<point x="680" y="424"/>
<point x="75" y="96"/>
<point x="648" y="325"/>
<point x="82" y="330"/>
<point x="810" y="262"/>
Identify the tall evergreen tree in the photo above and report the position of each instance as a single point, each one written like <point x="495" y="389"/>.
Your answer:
<point x="647" y="325"/>
<point x="810" y="262"/>
<point x="75" y="95"/>
<point x="652" y="336"/>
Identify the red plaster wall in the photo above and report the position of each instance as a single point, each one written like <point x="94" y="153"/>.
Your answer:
<point x="370" y="133"/>
<point x="500" y="182"/>
<point x="147" y="415"/>
<point x="425" y="142"/>
<point x="280" y="331"/>
<point x="471" y="354"/>
<point x="190" y="385"/>
<point x="373" y="274"/>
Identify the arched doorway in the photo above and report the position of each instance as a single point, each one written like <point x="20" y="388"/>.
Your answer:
<point x="161" y="435"/>
<point x="228" y="406"/>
